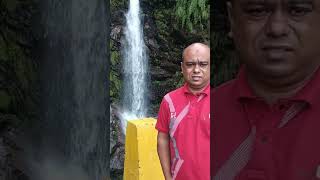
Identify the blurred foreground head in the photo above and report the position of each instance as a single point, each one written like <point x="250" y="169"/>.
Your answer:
<point x="276" y="39"/>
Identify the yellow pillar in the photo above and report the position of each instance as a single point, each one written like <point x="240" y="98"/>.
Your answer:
<point x="141" y="158"/>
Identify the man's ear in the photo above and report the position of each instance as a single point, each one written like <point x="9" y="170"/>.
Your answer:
<point x="181" y="65"/>
<point x="231" y="18"/>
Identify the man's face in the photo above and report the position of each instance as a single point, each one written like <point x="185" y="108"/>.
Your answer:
<point x="196" y="67"/>
<point x="276" y="37"/>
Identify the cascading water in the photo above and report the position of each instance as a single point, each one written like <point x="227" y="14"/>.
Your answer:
<point x="71" y="139"/>
<point x="135" y="67"/>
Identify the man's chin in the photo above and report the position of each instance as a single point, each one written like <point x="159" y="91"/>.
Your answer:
<point x="275" y="71"/>
<point x="197" y="85"/>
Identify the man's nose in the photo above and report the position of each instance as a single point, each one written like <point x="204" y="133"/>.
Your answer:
<point x="196" y="68"/>
<point x="277" y="24"/>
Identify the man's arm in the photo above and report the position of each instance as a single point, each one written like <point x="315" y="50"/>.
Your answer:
<point x="164" y="154"/>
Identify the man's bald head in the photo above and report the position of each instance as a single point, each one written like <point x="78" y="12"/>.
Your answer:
<point x="195" y="47"/>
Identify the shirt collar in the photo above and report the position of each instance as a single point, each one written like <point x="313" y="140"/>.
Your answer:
<point x="205" y="91"/>
<point x="310" y="92"/>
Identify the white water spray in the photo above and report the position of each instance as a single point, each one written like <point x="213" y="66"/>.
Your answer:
<point x="135" y="67"/>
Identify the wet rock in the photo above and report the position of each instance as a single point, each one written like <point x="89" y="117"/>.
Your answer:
<point x="117" y="141"/>
<point x="116" y="33"/>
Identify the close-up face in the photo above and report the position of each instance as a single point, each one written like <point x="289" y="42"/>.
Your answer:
<point x="276" y="37"/>
<point x="196" y="66"/>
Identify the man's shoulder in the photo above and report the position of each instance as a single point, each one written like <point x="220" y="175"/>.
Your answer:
<point x="224" y="89"/>
<point x="176" y="92"/>
<point x="224" y="97"/>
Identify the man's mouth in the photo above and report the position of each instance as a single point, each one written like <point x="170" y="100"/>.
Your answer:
<point x="196" y="78"/>
<point x="277" y="51"/>
<point x="277" y="47"/>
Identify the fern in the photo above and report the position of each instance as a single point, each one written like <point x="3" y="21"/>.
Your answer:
<point x="191" y="13"/>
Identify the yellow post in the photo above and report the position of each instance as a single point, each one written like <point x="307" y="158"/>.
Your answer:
<point x="141" y="158"/>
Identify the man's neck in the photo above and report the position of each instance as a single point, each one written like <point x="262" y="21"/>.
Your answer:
<point x="195" y="91"/>
<point x="273" y="89"/>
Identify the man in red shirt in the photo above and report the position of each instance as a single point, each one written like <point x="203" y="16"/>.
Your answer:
<point x="266" y="121"/>
<point x="184" y="120"/>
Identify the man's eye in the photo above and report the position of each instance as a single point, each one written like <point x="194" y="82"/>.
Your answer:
<point x="189" y="64"/>
<point x="203" y="64"/>
<point x="257" y="11"/>
<point x="299" y="10"/>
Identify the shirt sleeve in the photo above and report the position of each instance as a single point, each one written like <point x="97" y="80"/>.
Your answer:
<point x="163" y="117"/>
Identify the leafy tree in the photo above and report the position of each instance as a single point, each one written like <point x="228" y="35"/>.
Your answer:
<point x="191" y="13"/>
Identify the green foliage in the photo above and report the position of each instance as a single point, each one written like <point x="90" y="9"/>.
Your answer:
<point x="163" y="25"/>
<point x="5" y="101"/>
<point x="179" y="79"/>
<point x="18" y="67"/>
<point x="115" y="56"/>
<point x="117" y="4"/>
<point x="115" y="82"/>
<point x="115" y="86"/>
<point x="10" y="5"/>
<point x="191" y="13"/>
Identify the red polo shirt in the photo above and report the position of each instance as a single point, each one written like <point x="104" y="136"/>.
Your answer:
<point x="192" y="134"/>
<point x="254" y="141"/>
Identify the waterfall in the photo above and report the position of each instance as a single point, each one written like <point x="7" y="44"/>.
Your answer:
<point x="135" y="67"/>
<point x="71" y="138"/>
